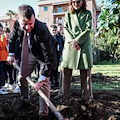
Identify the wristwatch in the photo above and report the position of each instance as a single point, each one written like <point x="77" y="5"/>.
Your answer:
<point x="41" y="78"/>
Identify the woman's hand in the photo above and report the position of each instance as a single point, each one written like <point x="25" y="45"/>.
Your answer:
<point x="75" y="44"/>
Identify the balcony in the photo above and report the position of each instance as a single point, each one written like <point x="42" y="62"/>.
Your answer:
<point x="62" y="12"/>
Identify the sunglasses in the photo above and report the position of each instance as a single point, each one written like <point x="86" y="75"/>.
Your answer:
<point x="54" y="30"/>
<point x="77" y="2"/>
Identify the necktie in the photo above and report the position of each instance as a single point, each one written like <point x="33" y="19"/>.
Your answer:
<point x="25" y="57"/>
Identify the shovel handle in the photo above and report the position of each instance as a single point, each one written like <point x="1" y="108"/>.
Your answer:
<point x="47" y="101"/>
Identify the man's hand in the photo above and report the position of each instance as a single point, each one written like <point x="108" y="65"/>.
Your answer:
<point x="10" y="59"/>
<point x="37" y="86"/>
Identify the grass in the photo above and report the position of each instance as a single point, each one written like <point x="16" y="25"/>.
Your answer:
<point x="110" y="85"/>
<point x="106" y="69"/>
<point x="113" y="85"/>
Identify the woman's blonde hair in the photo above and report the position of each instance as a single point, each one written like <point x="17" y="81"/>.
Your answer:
<point x="83" y="7"/>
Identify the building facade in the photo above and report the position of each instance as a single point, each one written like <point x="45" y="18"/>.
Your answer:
<point x="53" y="11"/>
<point x="8" y="21"/>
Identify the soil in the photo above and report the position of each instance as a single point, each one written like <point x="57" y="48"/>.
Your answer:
<point x="104" y="106"/>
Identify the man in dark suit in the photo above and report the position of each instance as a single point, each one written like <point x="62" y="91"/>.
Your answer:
<point x="41" y="51"/>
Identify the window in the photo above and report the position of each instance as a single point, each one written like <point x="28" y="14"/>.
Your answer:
<point x="60" y="20"/>
<point x="59" y="9"/>
<point x="45" y="8"/>
<point x="46" y="19"/>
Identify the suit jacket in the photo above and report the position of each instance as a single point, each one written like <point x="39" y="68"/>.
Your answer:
<point x="41" y="44"/>
<point x="77" y="26"/>
<point x="60" y="41"/>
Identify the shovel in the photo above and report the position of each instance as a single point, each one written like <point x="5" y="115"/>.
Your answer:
<point x="47" y="101"/>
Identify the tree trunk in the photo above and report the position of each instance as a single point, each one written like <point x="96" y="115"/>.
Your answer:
<point x="113" y="57"/>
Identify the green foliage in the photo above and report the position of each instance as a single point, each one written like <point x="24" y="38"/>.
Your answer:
<point x="114" y="1"/>
<point x="109" y="18"/>
<point x="109" y="28"/>
<point x="92" y="36"/>
<point x="109" y="44"/>
<point x="10" y="12"/>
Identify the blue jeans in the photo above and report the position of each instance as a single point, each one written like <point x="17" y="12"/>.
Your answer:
<point x="2" y="72"/>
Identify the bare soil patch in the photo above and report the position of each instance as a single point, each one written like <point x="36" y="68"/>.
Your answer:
<point x="104" y="106"/>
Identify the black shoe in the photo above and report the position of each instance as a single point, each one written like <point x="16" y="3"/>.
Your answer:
<point x="43" y="117"/>
<point x="57" y="84"/>
<point x="22" y="105"/>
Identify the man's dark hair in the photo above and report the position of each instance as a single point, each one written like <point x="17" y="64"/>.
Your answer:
<point x="6" y="29"/>
<point x="1" y="25"/>
<point x="53" y="26"/>
<point x="26" y="11"/>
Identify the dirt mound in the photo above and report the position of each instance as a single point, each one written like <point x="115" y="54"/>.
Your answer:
<point x="104" y="106"/>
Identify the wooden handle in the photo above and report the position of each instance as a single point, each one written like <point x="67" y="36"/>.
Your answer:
<point x="47" y="101"/>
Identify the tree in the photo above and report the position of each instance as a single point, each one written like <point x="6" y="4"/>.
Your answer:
<point x="93" y="39"/>
<point x="109" y="25"/>
<point x="10" y="12"/>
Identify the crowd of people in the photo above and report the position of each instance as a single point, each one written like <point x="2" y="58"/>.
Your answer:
<point x="67" y="46"/>
<point x="9" y="81"/>
<point x="8" y="74"/>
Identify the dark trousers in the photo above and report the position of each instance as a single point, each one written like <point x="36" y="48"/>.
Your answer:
<point x="9" y="71"/>
<point x="2" y="72"/>
<point x="65" y="81"/>
<point x="54" y="75"/>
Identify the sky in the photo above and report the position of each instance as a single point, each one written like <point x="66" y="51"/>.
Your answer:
<point x="13" y="5"/>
